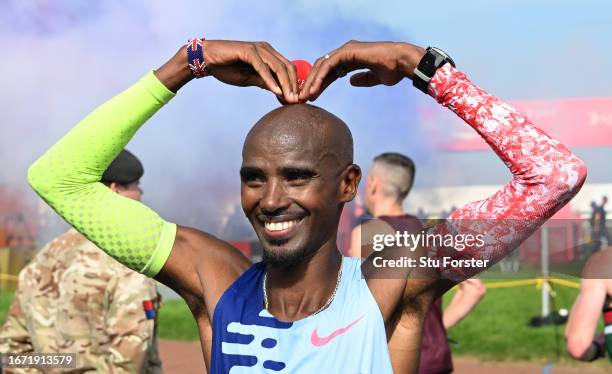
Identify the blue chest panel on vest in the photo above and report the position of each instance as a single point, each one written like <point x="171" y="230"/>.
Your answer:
<point x="347" y="337"/>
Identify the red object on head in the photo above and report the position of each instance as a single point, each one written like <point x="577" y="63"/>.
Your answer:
<point x="303" y="68"/>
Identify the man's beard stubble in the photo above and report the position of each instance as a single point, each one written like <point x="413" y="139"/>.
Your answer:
<point x="283" y="259"/>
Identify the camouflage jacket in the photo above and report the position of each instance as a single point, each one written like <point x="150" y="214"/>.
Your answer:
<point x="73" y="298"/>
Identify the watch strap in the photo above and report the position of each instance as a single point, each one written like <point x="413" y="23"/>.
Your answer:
<point x="429" y="64"/>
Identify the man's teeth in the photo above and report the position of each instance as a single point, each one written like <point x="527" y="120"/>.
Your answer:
<point x="278" y="226"/>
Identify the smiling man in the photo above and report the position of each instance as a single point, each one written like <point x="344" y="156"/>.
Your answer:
<point x="305" y="308"/>
<point x="300" y="150"/>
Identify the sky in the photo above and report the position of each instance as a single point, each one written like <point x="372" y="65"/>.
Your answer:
<point x="63" y="58"/>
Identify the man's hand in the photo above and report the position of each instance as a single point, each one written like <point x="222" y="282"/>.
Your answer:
<point x="387" y="63"/>
<point x="251" y="64"/>
<point x="237" y="63"/>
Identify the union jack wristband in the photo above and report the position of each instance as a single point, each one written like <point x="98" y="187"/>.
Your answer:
<point x="195" y="58"/>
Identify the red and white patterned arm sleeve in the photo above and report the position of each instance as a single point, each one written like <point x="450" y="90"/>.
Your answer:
<point x="546" y="175"/>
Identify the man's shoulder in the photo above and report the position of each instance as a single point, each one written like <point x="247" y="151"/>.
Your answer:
<point x="59" y="248"/>
<point x="91" y="265"/>
<point x="406" y="222"/>
<point x="211" y="256"/>
<point x="88" y="257"/>
<point x="40" y="277"/>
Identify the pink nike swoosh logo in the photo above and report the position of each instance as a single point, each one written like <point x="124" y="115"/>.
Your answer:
<point x="318" y="341"/>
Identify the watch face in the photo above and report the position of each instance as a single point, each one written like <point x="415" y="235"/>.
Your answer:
<point x="425" y="70"/>
<point x="442" y="54"/>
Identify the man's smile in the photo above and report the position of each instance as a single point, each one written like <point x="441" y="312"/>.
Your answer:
<point x="282" y="229"/>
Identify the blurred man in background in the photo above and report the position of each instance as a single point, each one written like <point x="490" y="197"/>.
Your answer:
<point x="387" y="185"/>
<point x="599" y="231"/>
<point x="74" y="298"/>
<point x="595" y="298"/>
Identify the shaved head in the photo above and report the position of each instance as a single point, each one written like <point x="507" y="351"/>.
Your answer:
<point x="304" y="124"/>
<point x="396" y="173"/>
<point x="297" y="173"/>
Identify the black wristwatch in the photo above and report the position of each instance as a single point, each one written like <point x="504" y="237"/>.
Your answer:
<point x="431" y="61"/>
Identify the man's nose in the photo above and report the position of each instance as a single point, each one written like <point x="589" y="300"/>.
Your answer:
<point x="274" y="197"/>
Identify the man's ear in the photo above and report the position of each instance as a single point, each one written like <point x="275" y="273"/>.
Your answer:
<point x="373" y="182"/>
<point x="113" y="186"/>
<point x="350" y="178"/>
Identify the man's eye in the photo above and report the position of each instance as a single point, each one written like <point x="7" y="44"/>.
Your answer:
<point x="299" y="178"/>
<point x="252" y="178"/>
<point x="253" y="181"/>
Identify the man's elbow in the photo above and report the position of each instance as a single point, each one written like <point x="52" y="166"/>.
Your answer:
<point x="35" y="179"/>
<point x="480" y="290"/>
<point x="476" y="289"/>
<point x="572" y="176"/>
<point x="578" y="174"/>
<point x="45" y="178"/>
<point x="577" y="346"/>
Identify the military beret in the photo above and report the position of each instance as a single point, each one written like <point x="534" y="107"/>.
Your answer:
<point x="124" y="169"/>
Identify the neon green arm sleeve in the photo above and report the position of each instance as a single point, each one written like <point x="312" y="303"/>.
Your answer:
<point x="68" y="178"/>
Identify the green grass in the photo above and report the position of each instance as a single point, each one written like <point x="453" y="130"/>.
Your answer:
<point x="176" y="321"/>
<point x="496" y="330"/>
<point x="5" y="302"/>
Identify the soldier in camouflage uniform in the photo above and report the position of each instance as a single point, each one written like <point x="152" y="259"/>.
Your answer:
<point x="74" y="298"/>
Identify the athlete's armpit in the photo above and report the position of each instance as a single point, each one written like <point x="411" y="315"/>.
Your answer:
<point x="404" y="335"/>
<point x="201" y="267"/>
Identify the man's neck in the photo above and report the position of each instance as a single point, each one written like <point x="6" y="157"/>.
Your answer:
<point x="388" y="208"/>
<point x="301" y="290"/>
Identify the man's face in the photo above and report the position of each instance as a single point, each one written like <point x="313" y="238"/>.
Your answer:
<point x="131" y="190"/>
<point x="291" y="195"/>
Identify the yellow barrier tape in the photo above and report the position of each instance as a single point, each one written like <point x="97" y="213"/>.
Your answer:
<point x="536" y="281"/>
<point x="524" y="282"/>
<point x="565" y="282"/>
<point x="8" y="277"/>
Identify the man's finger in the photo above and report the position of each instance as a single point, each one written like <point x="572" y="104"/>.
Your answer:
<point x="365" y="79"/>
<point x="264" y="72"/>
<point x="324" y="69"/>
<point x="290" y="67"/>
<point x="279" y="70"/>
<point x="324" y="74"/>
<point x="315" y="71"/>
<point x="305" y="91"/>
<point x="327" y="80"/>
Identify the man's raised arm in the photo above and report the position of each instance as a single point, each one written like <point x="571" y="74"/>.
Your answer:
<point x="68" y="175"/>
<point x="546" y="175"/>
<point x="68" y="178"/>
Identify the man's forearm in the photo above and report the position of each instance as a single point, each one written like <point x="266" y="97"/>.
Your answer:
<point x="67" y="177"/>
<point x="546" y="175"/>
<point x="175" y="73"/>
<point x="468" y="295"/>
<point x="541" y="167"/>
